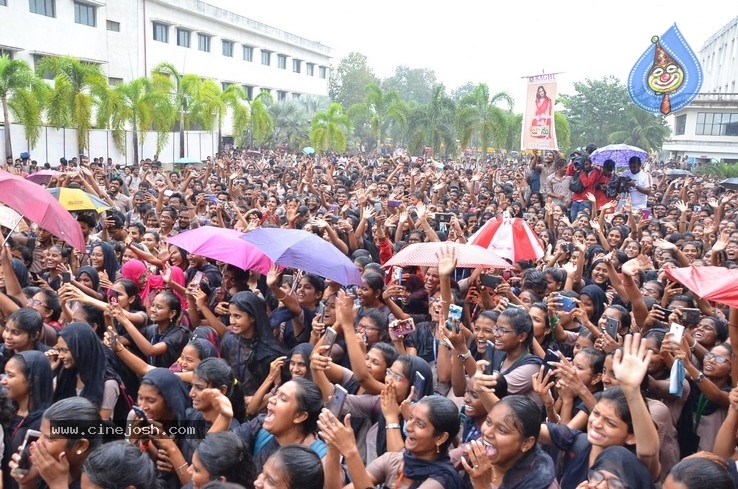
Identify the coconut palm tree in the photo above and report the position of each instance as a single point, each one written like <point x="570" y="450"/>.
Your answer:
<point x="642" y="129"/>
<point x="182" y="89"/>
<point x="480" y="117"/>
<point x="330" y="129"/>
<point x="262" y="122"/>
<point x="291" y="124"/>
<point x="433" y="124"/>
<point x="78" y="88"/>
<point x="382" y="109"/>
<point x="21" y="93"/>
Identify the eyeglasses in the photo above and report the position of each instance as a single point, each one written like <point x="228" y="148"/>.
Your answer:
<point x="501" y="331"/>
<point x="36" y="303"/>
<point x="717" y="358"/>
<point x="365" y="327"/>
<point x="598" y="477"/>
<point x="395" y="376"/>
<point x="650" y="291"/>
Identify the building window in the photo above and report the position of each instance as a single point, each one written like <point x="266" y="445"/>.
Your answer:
<point x="114" y="81"/>
<point x="85" y="14"/>
<point x="203" y="42"/>
<point x="281" y="95"/>
<point x="224" y="85"/>
<point x="296" y="65"/>
<point x="323" y="72"/>
<point x="249" y="91"/>
<point x="712" y="124"/>
<point x="680" y="125"/>
<point x="228" y="48"/>
<point x="113" y="26"/>
<point x="248" y="53"/>
<point x="281" y="61"/>
<point x="310" y="69"/>
<point x="296" y="95"/>
<point x="183" y="37"/>
<point x="266" y="57"/>
<point x="4" y="3"/>
<point x="43" y="7"/>
<point x="7" y="52"/>
<point x="161" y="32"/>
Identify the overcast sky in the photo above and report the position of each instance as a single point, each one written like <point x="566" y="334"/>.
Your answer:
<point x="495" y="42"/>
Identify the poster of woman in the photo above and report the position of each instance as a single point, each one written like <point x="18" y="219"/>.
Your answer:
<point x="538" y="124"/>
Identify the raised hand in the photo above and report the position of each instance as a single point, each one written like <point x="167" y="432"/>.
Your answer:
<point x="446" y="261"/>
<point x="630" y="364"/>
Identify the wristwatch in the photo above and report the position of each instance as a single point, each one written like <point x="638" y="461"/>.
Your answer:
<point x="464" y="356"/>
<point x="700" y="378"/>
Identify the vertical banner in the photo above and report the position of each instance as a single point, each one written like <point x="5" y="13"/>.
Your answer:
<point x="538" y="119"/>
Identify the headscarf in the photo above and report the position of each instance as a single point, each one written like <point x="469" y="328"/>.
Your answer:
<point x="268" y="346"/>
<point x="40" y="380"/>
<point x="110" y="259"/>
<point x="133" y="269"/>
<point x="441" y="470"/>
<point x="599" y="299"/>
<point x="20" y="271"/>
<point x="622" y="463"/>
<point x="92" y="273"/>
<point x="172" y="390"/>
<point x="534" y="470"/>
<point x="304" y="350"/>
<point x="90" y="363"/>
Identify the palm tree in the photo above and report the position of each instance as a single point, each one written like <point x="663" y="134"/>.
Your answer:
<point x="381" y="108"/>
<point x="22" y="93"/>
<point x="210" y="106"/>
<point x="480" y="116"/>
<point x="182" y="89"/>
<point x="330" y="129"/>
<point x="291" y="124"/>
<point x="642" y="129"/>
<point x="78" y="88"/>
<point x="433" y="124"/>
<point x="138" y="105"/>
<point x="262" y="122"/>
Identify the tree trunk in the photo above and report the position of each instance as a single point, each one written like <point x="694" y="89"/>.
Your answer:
<point x="181" y="133"/>
<point x="136" y="159"/>
<point x="6" y="131"/>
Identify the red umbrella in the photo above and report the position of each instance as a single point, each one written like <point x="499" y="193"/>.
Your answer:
<point x="38" y="205"/>
<point x="716" y="284"/>
<point x="467" y="256"/>
<point x="510" y="238"/>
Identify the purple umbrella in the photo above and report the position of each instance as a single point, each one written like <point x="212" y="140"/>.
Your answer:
<point x="305" y="251"/>
<point x="42" y="177"/>
<point x="224" y="245"/>
<point x="619" y="153"/>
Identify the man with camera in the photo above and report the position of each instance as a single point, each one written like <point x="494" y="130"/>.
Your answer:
<point x="581" y="168"/>
<point x="637" y="182"/>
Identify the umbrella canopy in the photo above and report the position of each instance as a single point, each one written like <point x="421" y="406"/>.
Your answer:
<point x="8" y="217"/>
<point x="619" y="153"/>
<point x="74" y="199"/>
<point x="731" y="183"/>
<point x="253" y="152"/>
<point x="39" y="206"/>
<point x="305" y="251"/>
<point x="224" y="245"/>
<point x="712" y="283"/>
<point x="509" y="238"/>
<point x="188" y="161"/>
<point x="42" y="177"/>
<point x="467" y="256"/>
<point x="308" y="150"/>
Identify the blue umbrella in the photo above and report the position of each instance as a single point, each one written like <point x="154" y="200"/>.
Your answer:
<point x="308" y="150"/>
<point x="305" y="251"/>
<point x="188" y="161"/>
<point x="619" y="153"/>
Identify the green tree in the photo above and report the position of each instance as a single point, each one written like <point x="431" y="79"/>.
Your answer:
<point x="381" y="109"/>
<point x="262" y="122"/>
<point x="432" y="124"/>
<point x="330" y="129"/>
<point x="210" y="106"/>
<point x="563" y="131"/>
<point x="412" y="84"/>
<point x="643" y="129"/>
<point x="479" y="116"/>
<point x="595" y="110"/>
<point x="458" y="93"/>
<point x="348" y="81"/>
<point x="21" y="93"/>
<point x="78" y="88"/>
<point x="182" y="89"/>
<point x="291" y="124"/>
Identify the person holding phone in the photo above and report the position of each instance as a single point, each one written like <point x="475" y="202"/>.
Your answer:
<point x="297" y="310"/>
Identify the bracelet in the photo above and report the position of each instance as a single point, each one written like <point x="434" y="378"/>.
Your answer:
<point x="691" y="348"/>
<point x="392" y="426"/>
<point x="179" y="469"/>
<point x="283" y="297"/>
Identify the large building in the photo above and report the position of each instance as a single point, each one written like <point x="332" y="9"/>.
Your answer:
<point x="129" y="37"/>
<point x="707" y="129"/>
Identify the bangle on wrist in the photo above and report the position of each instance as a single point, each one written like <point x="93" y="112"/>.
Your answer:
<point x="392" y="426"/>
<point x="179" y="469"/>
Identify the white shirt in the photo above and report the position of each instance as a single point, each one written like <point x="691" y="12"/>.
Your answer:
<point x="642" y="179"/>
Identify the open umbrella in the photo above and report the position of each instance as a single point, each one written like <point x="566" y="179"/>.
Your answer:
<point x="74" y="199"/>
<point x="731" y="183"/>
<point x="299" y="249"/>
<point x="510" y="238"/>
<point x="224" y="245"/>
<point x="619" y="153"/>
<point x="42" y="177"/>
<point x="716" y="284"/>
<point x="187" y="161"/>
<point x="467" y="256"/>
<point x="308" y="150"/>
<point x="39" y="206"/>
<point x="254" y="153"/>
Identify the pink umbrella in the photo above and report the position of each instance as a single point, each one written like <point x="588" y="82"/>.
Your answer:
<point x="467" y="256"/>
<point x="39" y="206"/>
<point x="510" y="238"/>
<point x="224" y="245"/>
<point x="42" y="177"/>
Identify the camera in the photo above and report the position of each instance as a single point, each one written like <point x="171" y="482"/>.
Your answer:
<point x="624" y="184"/>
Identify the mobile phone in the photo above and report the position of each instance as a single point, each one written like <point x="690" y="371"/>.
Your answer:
<point x="666" y="312"/>
<point x="66" y="277"/>
<point x="113" y="297"/>
<point x="24" y="463"/>
<point x="419" y="386"/>
<point x="335" y="405"/>
<point x="397" y="274"/>
<point x="393" y="203"/>
<point x="611" y="327"/>
<point x="690" y="315"/>
<point x="443" y="217"/>
<point x="287" y="278"/>
<point x="196" y="280"/>
<point x="489" y="355"/>
<point x="646" y="214"/>
<point x="329" y="338"/>
<point x="34" y="276"/>
<point x="491" y="281"/>
<point x="454" y="312"/>
<point x="528" y="215"/>
<point x="378" y="207"/>
<point x="113" y="335"/>
<point x="677" y="331"/>
<point x="567" y="303"/>
<point x="322" y="315"/>
<point x="140" y="414"/>
<point x="403" y="327"/>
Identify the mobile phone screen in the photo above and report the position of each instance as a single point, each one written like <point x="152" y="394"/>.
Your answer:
<point x="330" y="338"/>
<point x="419" y="386"/>
<point x="337" y="401"/>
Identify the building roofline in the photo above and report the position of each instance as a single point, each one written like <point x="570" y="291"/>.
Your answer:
<point x="720" y="32"/>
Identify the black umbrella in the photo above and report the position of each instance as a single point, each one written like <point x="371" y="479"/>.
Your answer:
<point x="731" y="183"/>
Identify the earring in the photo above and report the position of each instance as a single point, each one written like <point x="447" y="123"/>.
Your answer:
<point x="79" y="452"/>
<point x="438" y="448"/>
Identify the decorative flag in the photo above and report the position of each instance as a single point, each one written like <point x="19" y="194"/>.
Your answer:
<point x="667" y="77"/>
<point x="538" y="119"/>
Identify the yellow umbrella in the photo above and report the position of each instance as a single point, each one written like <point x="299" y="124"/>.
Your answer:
<point x="74" y="199"/>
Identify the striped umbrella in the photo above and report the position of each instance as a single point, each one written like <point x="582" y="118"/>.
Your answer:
<point x="510" y="238"/>
<point x="426" y="255"/>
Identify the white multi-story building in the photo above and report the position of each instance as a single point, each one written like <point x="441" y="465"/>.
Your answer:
<point x="129" y="37"/>
<point x="707" y="129"/>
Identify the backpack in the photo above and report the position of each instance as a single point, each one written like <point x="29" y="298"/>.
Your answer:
<point x="575" y="184"/>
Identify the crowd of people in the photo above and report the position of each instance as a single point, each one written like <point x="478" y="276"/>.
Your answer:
<point x="586" y="367"/>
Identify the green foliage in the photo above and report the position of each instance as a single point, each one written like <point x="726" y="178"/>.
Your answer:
<point x="348" y="81"/>
<point x="379" y="111"/>
<point x="563" y="130"/>
<point x="718" y="170"/>
<point x="480" y="120"/>
<point x="23" y="95"/>
<point x="411" y="84"/>
<point x="643" y="129"/>
<point x="433" y="125"/>
<point x="330" y="129"/>
<point x="262" y="122"/>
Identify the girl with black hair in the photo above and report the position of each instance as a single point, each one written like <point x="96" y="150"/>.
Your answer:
<point x="223" y="457"/>
<point x="22" y="332"/>
<point x="293" y="467"/>
<point x="118" y="465"/>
